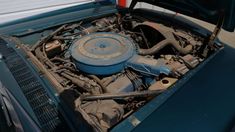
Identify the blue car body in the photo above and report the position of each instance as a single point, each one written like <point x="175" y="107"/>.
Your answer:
<point x="201" y="101"/>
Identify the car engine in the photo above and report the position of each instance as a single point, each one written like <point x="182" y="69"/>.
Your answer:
<point x="110" y="67"/>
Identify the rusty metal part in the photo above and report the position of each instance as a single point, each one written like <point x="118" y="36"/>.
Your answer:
<point x="169" y="39"/>
<point x="157" y="47"/>
<point x="190" y="61"/>
<point x="164" y="30"/>
<point x="163" y="84"/>
<point x="81" y="84"/>
<point x="43" y="59"/>
<point x="96" y="126"/>
<point x="89" y="30"/>
<point x="52" y="48"/>
<point x="65" y="74"/>
<point x="178" y="67"/>
<point x="108" y="96"/>
<point x="210" y="41"/>
<point x="121" y="84"/>
<point x="104" y="90"/>
<point x="63" y="60"/>
<point x="84" y="83"/>
<point x="65" y="38"/>
<point x="216" y="31"/>
<point x="107" y="112"/>
<point x="42" y="69"/>
<point x="67" y="67"/>
<point x="107" y="80"/>
<point x="46" y="38"/>
<point x="181" y="65"/>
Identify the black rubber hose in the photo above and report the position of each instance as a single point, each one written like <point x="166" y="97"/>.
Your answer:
<point x="120" y="95"/>
<point x="155" y="49"/>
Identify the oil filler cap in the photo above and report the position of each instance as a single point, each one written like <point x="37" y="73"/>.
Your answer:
<point x="102" y="53"/>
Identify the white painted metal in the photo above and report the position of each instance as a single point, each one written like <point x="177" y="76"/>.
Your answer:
<point x="148" y="6"/>
<point x="16" y="9"/>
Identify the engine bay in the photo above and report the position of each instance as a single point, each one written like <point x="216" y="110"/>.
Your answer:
<point x="112" y="66"/>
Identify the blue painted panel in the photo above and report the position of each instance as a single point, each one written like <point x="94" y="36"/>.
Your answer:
<point x="203" y="103"/>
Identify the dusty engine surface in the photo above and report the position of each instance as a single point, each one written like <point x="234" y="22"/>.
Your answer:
<point x="114" y="65"/>
<point x="102" y="53"/>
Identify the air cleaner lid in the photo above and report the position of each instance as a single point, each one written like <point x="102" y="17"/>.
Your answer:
<point x="102" y="49"/>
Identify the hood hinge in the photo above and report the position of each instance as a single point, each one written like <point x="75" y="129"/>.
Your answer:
<point x="210" y="42"/>
<point x="217" y="30"/>
<point x="132" y="5"/>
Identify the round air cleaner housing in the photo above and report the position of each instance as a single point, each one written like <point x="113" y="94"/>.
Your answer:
<point x="102" y="53"/>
